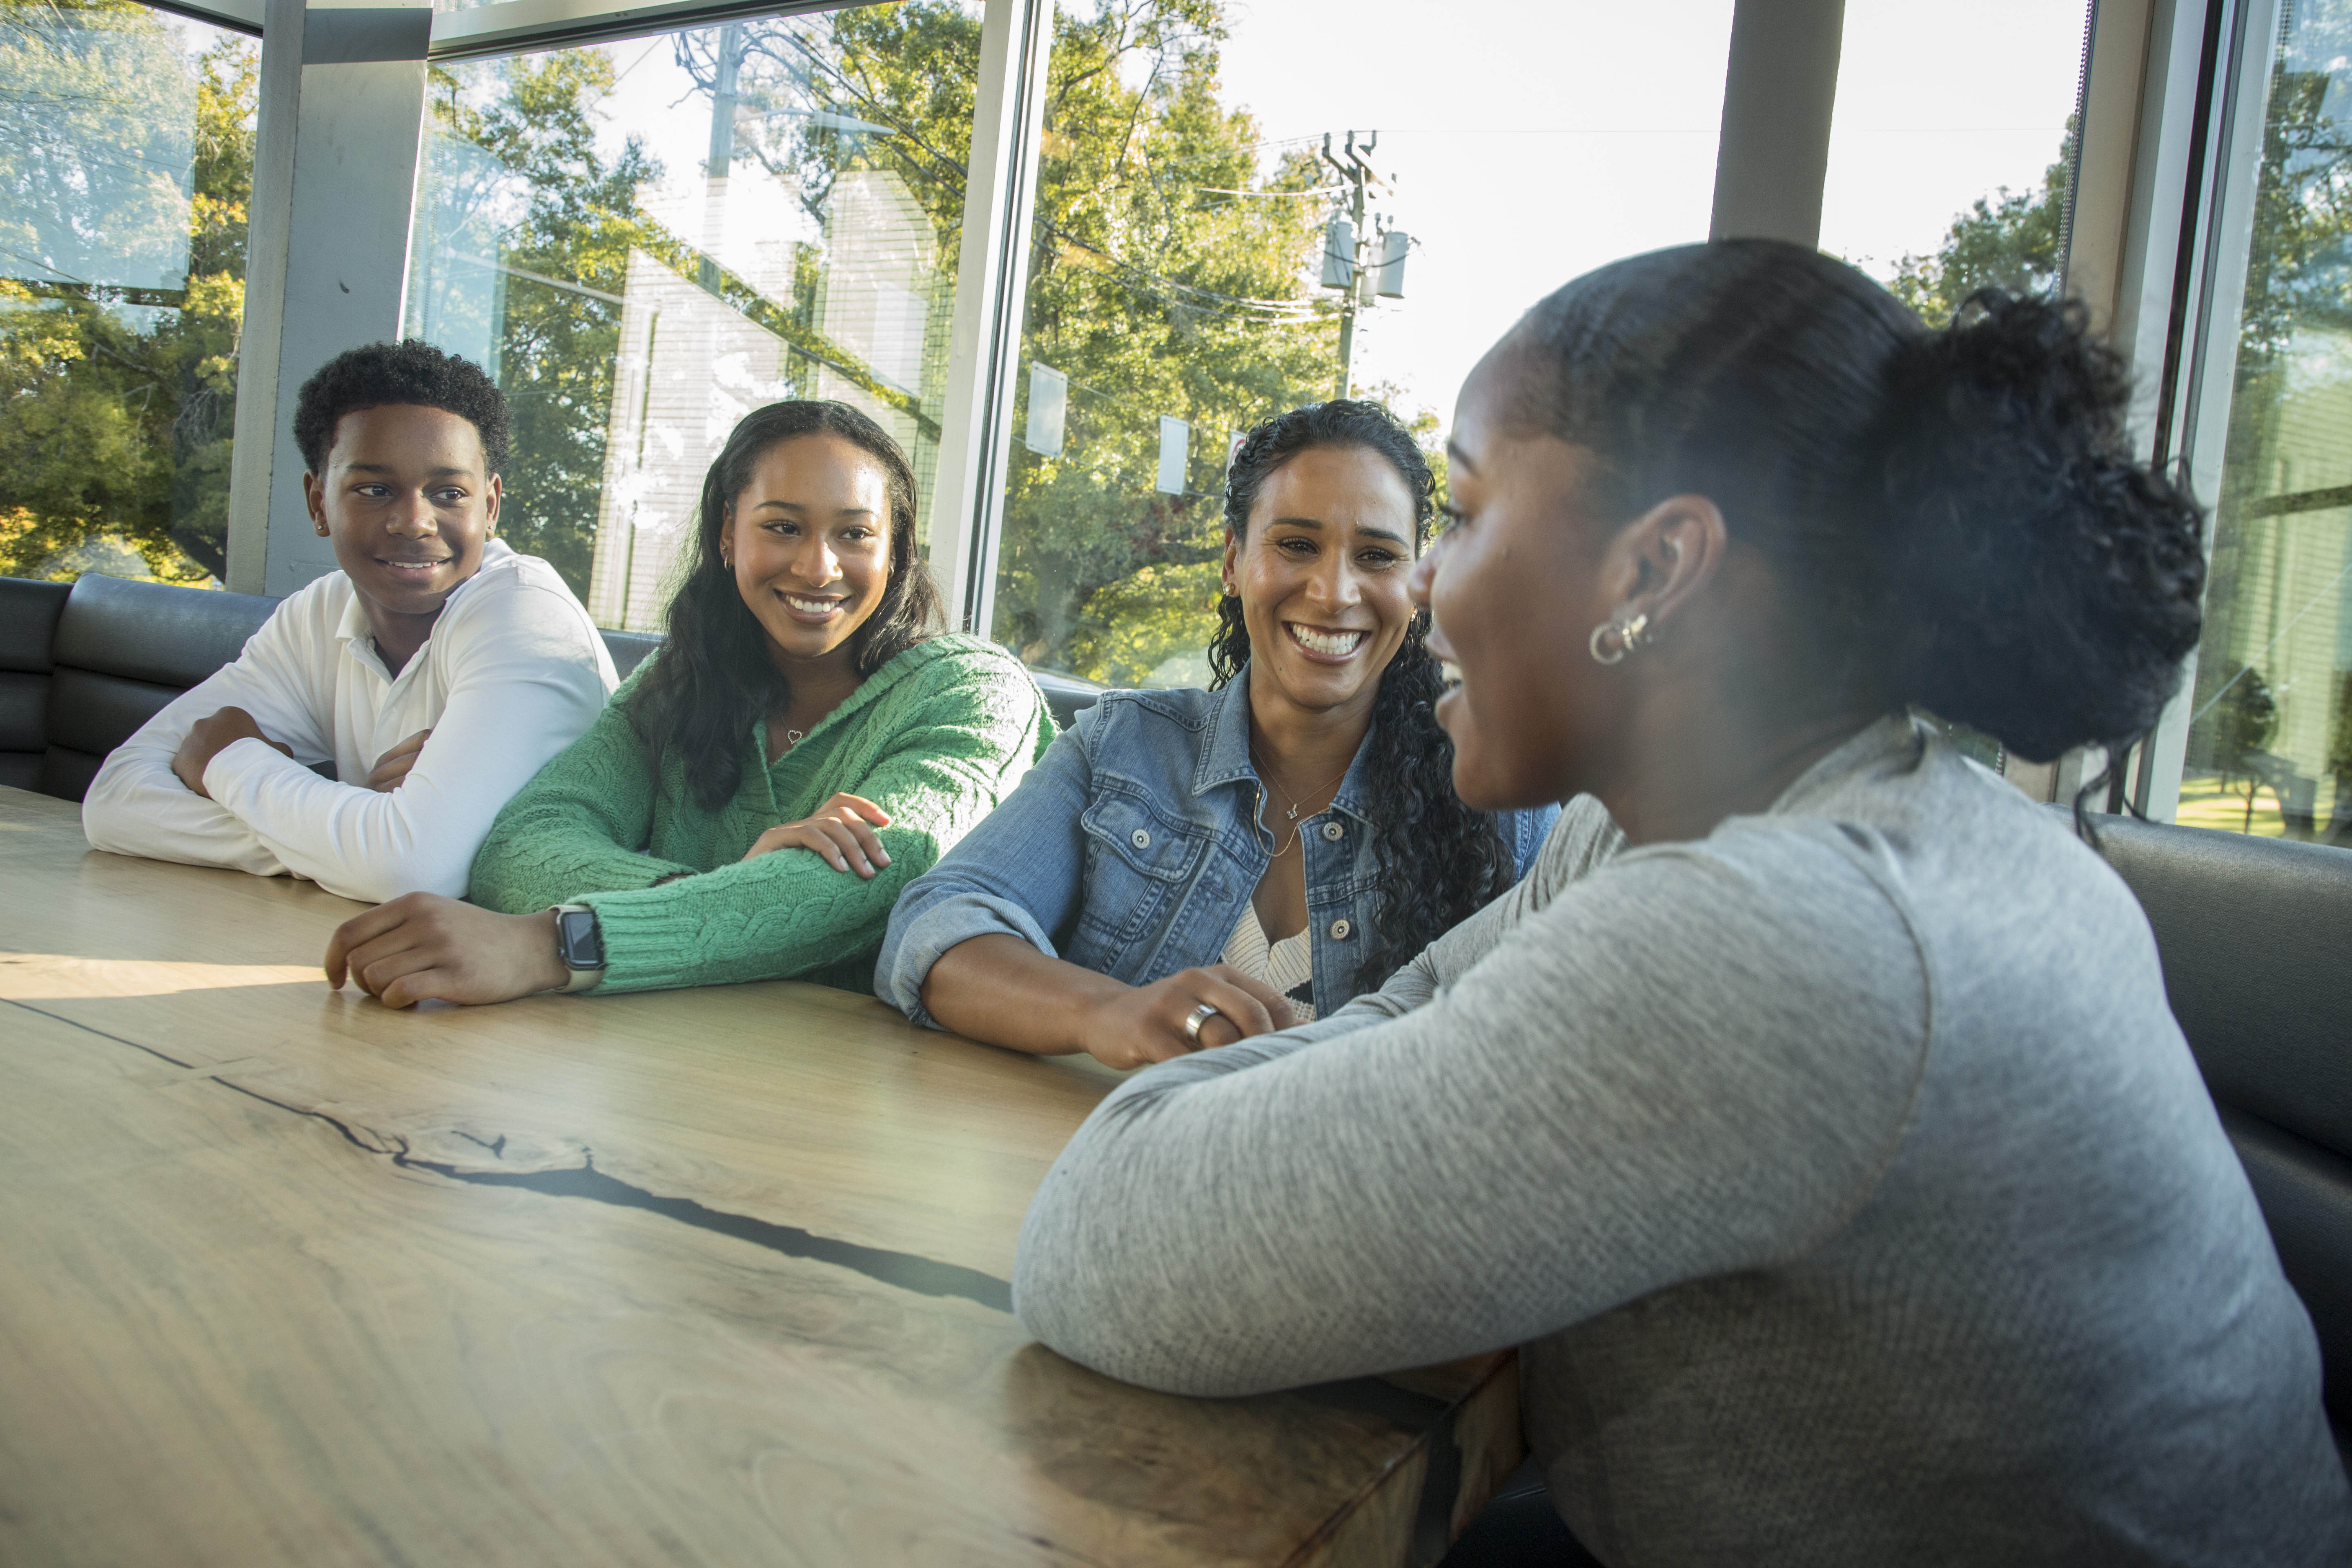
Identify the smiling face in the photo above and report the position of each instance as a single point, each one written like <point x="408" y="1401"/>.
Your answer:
<point x="1322" y="575"/>
<point x="808" y="542"/>
<point x="1514" y="587"/>
<point x="406" y="496"/>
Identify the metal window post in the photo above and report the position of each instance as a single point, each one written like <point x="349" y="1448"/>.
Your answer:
<point x="1780" y="89"/>
<point x="2196" y="378"/>
<point x="2171" y="140"/>
<point x="334" y="177"/>
<point x="967" y="507"/>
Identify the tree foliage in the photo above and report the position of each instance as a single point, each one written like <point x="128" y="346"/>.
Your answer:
<point x="556" y="348"/>
<point x="2298" y="283"/>
<point x="2012" y="240"/>
<point x="1168" y="276"/>
<point x="116" y="401"/>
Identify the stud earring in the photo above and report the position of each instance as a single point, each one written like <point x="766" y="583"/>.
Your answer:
<point x="1628" y="635"/>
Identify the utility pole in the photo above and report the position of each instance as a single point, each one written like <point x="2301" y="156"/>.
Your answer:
<point x="723" y="99"/>
<point x="1352" y="263"/>
<point x="1341" y="245"/>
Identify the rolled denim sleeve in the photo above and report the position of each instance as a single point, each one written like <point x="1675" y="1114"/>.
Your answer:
<point x="1021" y="871"/>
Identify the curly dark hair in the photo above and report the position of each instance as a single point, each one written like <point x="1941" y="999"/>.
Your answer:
<point x="411" y="371"/>
<point x="1439" y="860"/>
<point x="712" y="679"/>
<point x="1956" y="512"/>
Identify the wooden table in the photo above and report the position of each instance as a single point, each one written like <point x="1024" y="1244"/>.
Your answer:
<point x="714" y="1276"/>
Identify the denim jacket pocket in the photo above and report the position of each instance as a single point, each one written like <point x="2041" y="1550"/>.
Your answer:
<point x="1137" y="859"/>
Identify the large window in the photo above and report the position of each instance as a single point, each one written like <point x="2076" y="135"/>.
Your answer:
<point x="644" y="241"/>
<point x="1193" y="245"/>
<point x="1951" y="151"/>
<point x="2270" y="737"/>
<point x="126" y="160"/>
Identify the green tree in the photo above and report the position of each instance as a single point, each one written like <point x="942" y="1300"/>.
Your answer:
<point x="2339" y="762"/>
<point x="2245" y="716"/>
<point x="2298" y="281"/>
<point x="116" y="401"/>
<point x="2009" y="240"/>
<point x="1169" y="276"/>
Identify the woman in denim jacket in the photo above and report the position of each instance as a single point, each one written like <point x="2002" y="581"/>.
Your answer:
<point x="1188" y="869"/>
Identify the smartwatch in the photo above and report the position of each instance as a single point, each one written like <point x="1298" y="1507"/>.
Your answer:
<point x="580" y="944"/>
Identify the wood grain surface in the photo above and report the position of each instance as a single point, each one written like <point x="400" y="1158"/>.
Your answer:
<point x="714" y="1276"/>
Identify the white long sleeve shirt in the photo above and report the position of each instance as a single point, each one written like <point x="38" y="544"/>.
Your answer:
<point x="513" y="673"/>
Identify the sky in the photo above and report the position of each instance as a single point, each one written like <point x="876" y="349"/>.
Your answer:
<point x="1529" y="140"/>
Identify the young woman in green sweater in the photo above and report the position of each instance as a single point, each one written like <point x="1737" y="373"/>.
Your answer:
<point x="751" y="800"/>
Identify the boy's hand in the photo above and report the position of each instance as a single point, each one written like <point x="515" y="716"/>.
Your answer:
<point x="208" y="738"/>
<point x="391" y="768"/>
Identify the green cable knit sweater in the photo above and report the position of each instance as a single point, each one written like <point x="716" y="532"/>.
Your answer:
<point x="935" y="737"/>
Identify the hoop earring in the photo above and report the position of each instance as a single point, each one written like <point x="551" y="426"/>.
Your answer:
<point x="1629" y="637"/>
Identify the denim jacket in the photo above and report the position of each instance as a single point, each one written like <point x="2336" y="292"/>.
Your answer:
<point x="1132" y="846"/>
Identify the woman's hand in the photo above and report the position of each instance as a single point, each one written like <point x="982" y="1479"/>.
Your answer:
<point x="1135" y="1025"/>
<point x="841" y="831"/>
<point x="391" y="768"/>
<point x="423" y="947"/>
<point x="209" y="737"/>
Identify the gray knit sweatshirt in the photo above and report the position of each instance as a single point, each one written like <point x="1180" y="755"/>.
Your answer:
<point x="1842" y="1176"/>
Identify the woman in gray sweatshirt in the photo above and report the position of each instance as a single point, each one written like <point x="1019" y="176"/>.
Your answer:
<point x="1811" y="1117"/>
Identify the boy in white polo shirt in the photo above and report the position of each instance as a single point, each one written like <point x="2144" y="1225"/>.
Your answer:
<point x="437" y="670"/>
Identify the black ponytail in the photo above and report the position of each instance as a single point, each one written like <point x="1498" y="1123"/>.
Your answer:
<point x="2044" y="587"/>
<point x="1954" y="513"/>
<point x="1440" y="861"/>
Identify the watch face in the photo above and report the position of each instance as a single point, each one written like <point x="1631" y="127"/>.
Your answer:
<point x="578" y="939"/>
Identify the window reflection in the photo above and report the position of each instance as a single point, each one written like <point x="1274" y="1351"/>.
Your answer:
<point x="1183" y="284"/>
<point x="644" y="241"/>
<point x="2269" y="742"/>
<point x="126" y="165"/>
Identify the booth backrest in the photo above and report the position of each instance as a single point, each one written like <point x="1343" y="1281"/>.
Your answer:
<point x="82" y="667"/>
<point x="29" y="624"/>
<point x="629" y="650"/>
<point x="1067" y="695"/>
<point x="2256" y="940"/>
<point x="118" y="652"/>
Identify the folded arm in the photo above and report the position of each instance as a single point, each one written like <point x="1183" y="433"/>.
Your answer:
<point x="1582" y="1115"/>
<point x="522" y="689"/>
<point x="137" y="804"/>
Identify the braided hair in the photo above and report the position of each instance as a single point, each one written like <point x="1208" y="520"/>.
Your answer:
<point x="1440" y="861"/>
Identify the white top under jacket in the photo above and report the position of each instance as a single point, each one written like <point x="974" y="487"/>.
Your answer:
<point x="513" y="671"/>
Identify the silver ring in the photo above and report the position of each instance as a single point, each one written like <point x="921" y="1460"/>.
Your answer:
<point x="1195" y="1019"/>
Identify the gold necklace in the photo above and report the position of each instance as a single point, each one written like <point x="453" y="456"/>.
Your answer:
<point x="1291" y="815"/>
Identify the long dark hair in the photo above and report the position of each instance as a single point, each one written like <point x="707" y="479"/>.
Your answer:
<point x="1955" y="513"/>
<point x="1439" y="860"/>
<point x="712" y="681"/>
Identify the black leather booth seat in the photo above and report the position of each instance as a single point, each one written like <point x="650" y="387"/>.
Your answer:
<point x="81" y="668"/>
<point x="2256" y="939"/>
<point x="84" y="667"/>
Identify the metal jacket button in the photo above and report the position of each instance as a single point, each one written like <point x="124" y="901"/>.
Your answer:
<point x="1334" y="832"/>
<point x="1139" y="838"/>
<point x="1340" y="930"/>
